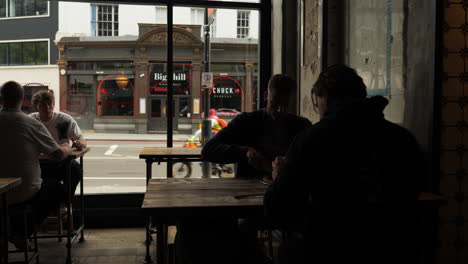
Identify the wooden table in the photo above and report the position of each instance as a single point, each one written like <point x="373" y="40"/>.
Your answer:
<point x="163" y="154"/>
<point x="72" y="235"/>
<point x="6" y="185"/>
<point x="168" y="200"/>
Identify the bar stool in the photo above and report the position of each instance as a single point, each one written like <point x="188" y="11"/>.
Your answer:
<point x="27" y="211"/>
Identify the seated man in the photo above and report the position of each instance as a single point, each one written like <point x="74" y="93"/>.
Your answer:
<point x="63" y="129"/>
<point x="22" y="139"/>
<point x="252" y="140"/>
<point x="347" y="189"/>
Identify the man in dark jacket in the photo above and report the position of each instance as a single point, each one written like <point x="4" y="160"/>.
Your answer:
<point x="347" y="189"/>
<point x="254" y="139"/>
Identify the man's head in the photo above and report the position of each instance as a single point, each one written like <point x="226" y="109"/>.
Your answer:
<point x="280" y="89"/>
<point x="335" y="84"/>
<point x="44" y="102"/>
<point x="12" y="94"/>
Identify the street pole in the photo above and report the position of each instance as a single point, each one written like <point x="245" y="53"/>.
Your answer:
<point x="206" y="123"/>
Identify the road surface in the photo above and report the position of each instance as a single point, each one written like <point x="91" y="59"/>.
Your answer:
<point x="114" y="166"/>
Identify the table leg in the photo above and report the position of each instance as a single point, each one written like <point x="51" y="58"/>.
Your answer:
<point x="69" y="207"/>
<point x="4" y="250"/>
<point x="82" y="201"/>
<point x="169" y="168"/>
<point x="149" y="164"/>
<point x="161" y="244"/>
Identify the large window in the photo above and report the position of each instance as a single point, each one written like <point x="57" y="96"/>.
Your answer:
<point x="105" y="20"/>
<point x="243" y="24"/>
<point x="24" y="53"/>
<point x="197" y="16"/>
<point x="19" y="8"/>
<point x="161" y="15"/>
<point x="119" y="84"/>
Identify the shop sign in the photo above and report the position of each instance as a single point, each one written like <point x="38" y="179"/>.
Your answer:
<point x="175" y="76"/>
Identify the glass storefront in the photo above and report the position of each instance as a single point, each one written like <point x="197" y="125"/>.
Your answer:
<point x="115" y="95"/>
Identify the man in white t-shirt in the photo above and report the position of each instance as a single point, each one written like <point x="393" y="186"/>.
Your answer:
<point x="23" y="139"/>
<point x="63" y="129"/>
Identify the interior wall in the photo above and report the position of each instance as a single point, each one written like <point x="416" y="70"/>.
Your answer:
<point x="453" y="231"/>
<point x="310" y="40"/>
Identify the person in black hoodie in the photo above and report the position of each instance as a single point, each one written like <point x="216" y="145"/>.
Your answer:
<point x="347" y="189"/>
<point x="254" y="139"/>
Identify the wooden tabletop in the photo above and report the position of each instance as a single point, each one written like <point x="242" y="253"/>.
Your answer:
<point x="7" y="184"/>
<point x="163" y="152"/>
<point x="79" y="153"/>
<point x="195" y="196"/>
<point x="74" y="155"/>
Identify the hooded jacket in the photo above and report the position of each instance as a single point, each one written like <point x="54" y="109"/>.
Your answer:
<point x="350" y="185"/>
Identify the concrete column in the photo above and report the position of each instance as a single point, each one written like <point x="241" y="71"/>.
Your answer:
<point x="248" y="107"/>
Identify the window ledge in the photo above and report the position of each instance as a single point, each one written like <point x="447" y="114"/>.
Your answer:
<point x="28" y="66"/>
<point x="23" y="17"/>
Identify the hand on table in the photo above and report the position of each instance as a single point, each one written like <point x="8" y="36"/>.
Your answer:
<point x="77" y="144"/>
<point x="277" y="164"/>
<point x="66" y="148"/>
<point x="258" y="161"/>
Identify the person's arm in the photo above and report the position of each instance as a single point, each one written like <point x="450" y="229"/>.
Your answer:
<point x="76" y="136"/>
<point x="61" y="153"/>
<point x="47" y="145"/>
<point x="288" y="196"/>
<point x="229" y="145"/>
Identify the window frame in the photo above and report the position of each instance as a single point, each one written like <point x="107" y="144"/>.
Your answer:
<point x="244" y="28"/>
<point x="25" y="17"/>
<point x="24" y="41"/>
<point x="195" y="13"/>
<point x="158" y="10"/>
<point x="95" y="22"/>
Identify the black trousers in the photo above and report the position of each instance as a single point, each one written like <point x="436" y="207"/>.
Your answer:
<point x="54" y="173"/>
<point x="53" y="192"/>
<point x="42" y="203"/>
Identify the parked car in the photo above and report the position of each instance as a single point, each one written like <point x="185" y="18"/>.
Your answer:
<point x="223" y="112"/>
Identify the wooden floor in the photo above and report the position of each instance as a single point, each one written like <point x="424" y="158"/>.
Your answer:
<point x="122" y="245"/>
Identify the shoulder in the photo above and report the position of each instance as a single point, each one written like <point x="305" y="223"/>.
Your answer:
<point x="32" y="122"/>
<point x="299" y="120"/>
<point x="249" y="116"/>
<point x="398" y="132"/>
<point x="63" y="117"/>
<point x="34" y="115"/>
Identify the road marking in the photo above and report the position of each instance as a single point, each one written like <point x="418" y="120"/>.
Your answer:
<point x="111" y="150"/>
<point x="111" y="158"/>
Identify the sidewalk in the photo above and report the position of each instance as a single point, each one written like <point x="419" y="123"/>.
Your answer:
<point x="91" y="136"/>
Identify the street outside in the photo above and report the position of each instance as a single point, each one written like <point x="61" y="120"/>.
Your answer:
<point x="113" y="166"/>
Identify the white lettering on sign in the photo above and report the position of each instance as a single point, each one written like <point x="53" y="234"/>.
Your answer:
<point x="175" y="76"/>
<point x="223" y="90"/>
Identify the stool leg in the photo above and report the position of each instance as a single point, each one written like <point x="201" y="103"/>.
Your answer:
<point x="26" y="253"/>
<point x="59" y="224"/>
<point x="36" y="248"/>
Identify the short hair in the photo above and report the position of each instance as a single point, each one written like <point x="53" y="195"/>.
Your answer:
<point x="339" y="82"/>
<point x="282" y="84"/>
<point x="43" y="95"/>
<point x="12" y="92"/>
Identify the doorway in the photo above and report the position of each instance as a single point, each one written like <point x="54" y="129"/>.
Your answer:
<point x="158" y="109"/>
